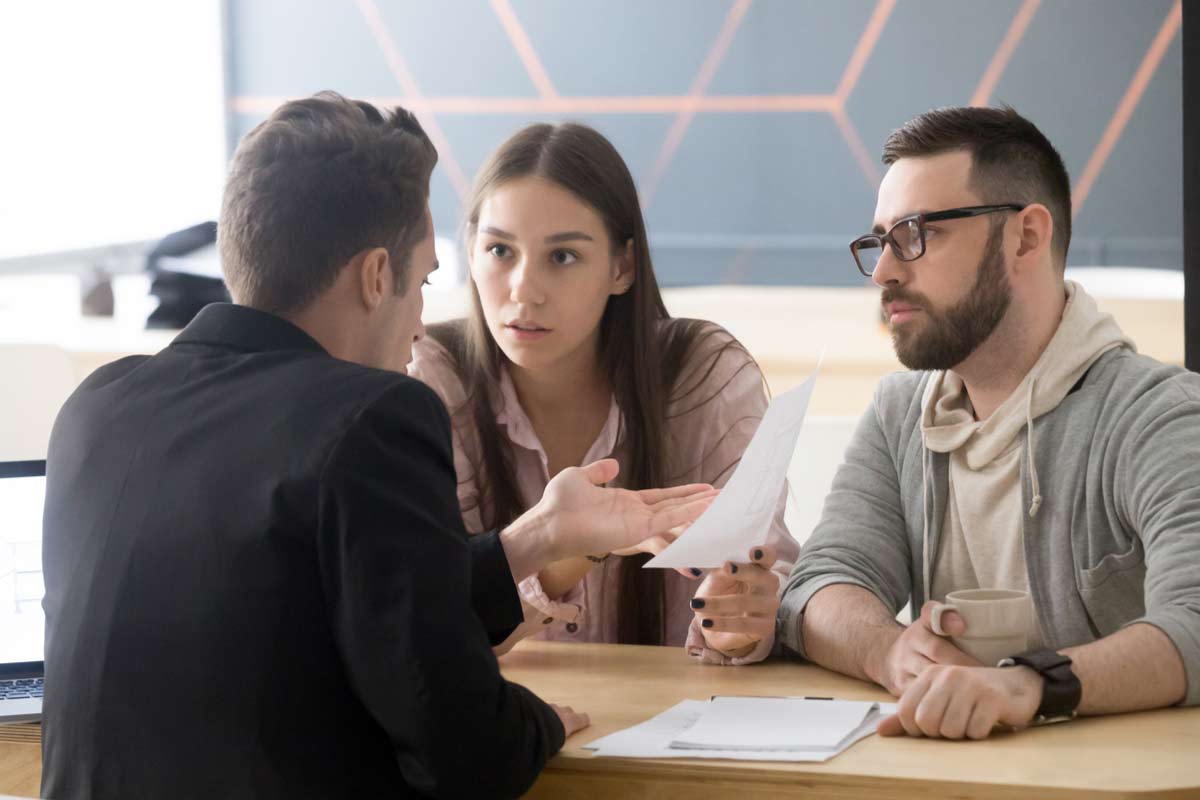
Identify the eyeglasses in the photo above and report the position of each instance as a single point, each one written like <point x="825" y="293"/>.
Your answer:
<point x="907" y="237"/>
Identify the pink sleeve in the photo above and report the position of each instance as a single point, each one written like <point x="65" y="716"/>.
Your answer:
<point x="432" y="366"/>
<point x="698" y="649"/>
<point x="541" y="611"/>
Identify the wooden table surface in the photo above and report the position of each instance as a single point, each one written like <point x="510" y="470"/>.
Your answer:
<point x="1152" y="754"/>
<point x="20" y="760"/>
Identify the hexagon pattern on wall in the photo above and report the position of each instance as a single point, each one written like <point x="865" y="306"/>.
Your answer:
<point x="719" y="96"/>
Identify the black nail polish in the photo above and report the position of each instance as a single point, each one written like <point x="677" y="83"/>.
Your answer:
<point x="733" y="568"/>
<point x="696" y="572"/>
<point x="697" y="602"/>
<point x="706" y="623"/>
<point x="757" y="554"/>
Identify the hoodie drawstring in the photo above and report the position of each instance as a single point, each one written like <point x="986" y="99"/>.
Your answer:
<point x="925" y="522"/>
<point x="1036" y="503"/>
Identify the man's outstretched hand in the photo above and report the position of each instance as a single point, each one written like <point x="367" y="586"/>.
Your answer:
<point x="579" y="516"/>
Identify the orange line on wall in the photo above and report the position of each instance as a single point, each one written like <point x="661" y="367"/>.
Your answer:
<point x="413" y="98"/>
<point x="857" y="148"/>
<point x="1128" y="104"/>
<point x="644" y="104"/>
<point x="735" y="273"/>
<point x="862" y="50"/>
<point x="991" y="76"/>
<point x="520" y="42"/>
<point x="679" y="126"/>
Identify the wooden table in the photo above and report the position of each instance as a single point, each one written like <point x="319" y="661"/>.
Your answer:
<point x="1152" y="754"/>
<point x="20" y="760"/>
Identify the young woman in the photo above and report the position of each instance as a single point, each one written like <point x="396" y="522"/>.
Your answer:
<point x="570" y="356"/>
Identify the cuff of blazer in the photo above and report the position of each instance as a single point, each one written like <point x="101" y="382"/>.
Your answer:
<point x="493" y="593"/>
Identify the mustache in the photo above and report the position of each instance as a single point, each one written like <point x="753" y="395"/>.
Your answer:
<point x="903" y="296"/>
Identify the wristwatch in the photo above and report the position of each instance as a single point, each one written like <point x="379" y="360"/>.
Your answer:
<point x="1062" y="690"/>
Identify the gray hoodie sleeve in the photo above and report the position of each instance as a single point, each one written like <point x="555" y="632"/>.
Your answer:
<point x="861" y="538"/>
<point x="1160" y="472"/>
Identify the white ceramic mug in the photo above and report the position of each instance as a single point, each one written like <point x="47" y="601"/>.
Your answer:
<point x="997" y="622"/>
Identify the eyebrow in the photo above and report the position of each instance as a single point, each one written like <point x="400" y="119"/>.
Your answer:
<point x="566" y="236"/>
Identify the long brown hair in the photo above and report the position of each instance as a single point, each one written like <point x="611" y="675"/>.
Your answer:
<point x="641" y="356"/>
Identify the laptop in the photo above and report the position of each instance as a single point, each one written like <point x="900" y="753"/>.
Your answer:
<point x="22" y="622"/>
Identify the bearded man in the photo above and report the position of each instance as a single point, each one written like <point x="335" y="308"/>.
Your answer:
<point x="1029" y="448"/>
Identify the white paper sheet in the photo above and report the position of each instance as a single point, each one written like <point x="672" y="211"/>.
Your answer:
<point x="740" y="517"/>
<point x="774" y="723"/>
<point x="652" y="739"/>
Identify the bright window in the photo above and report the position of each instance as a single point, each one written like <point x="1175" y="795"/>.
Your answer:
<point x="114" y="124"/>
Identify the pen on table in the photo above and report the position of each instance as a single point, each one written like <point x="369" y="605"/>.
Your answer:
<point x="770" y="696"/>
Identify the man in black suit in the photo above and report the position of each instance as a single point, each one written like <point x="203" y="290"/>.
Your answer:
<point x="257" y="579"/>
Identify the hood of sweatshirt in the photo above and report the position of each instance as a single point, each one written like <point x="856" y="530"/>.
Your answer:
<point x="948" y="420"/>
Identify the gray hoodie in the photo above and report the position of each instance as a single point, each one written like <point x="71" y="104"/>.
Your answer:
<point x="1113" y="540"/>
<point x="982" y="541"/>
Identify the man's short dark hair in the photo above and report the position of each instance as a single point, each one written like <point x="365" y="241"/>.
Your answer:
<point x="1011" y="160"/>
<point x="321" y="179"/>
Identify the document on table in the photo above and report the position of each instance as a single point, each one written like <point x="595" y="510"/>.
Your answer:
<point x="741" y="515"/>
<point x="774" y="723"/>
<point x="662" y="736"/>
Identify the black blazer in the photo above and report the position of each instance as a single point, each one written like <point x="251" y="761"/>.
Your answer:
<point x="258" y="584"/>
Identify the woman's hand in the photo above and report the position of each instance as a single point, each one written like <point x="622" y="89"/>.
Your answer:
<point x="656" y="545"/>
<point x="736" y="604"/>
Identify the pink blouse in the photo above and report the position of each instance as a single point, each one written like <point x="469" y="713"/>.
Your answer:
<point x="708" y="428"/>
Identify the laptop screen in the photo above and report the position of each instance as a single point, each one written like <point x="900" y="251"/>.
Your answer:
<point x="22" y="623"/>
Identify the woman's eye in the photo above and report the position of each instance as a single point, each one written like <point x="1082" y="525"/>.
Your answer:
<point x="564" y="257"/>
<point x="499" y="250"/>
<point x="425" y="282"/>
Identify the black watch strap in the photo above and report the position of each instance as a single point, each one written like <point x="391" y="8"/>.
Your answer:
<point x="1062" y="690"/>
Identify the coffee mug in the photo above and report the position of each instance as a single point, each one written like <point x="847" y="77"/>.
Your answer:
<point x="997" y="622"/>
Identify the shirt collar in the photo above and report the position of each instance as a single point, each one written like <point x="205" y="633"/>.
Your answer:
<point x="243" y="328"/>
<point x="519" y="429"/>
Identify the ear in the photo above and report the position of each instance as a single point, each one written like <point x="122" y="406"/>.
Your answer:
<point x="624" y="269"/>
<point x="375" y="276"/>
<point x="471" y="257"/>
<point x="1035" y="234"/>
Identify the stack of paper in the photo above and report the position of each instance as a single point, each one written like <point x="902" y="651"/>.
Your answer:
<point x="748" y="729"/>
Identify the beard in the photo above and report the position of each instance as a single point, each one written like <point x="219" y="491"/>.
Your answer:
<point x="949" y="337"/>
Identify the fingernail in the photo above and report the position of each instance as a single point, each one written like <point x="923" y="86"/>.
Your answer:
<point x="733" y="568"/>
<point x="706" y="623"/>
<point x="696" y="572"/>
<point x="697" y="602"/>
<point x="757" y="554"/>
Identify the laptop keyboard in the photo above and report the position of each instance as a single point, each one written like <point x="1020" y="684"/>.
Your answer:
<point x="20" y="689"/>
